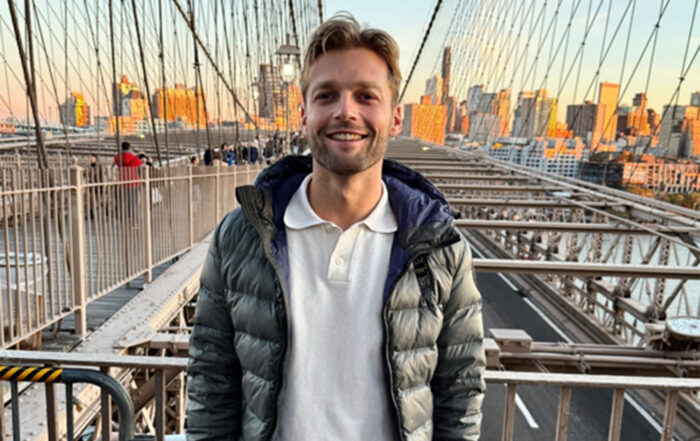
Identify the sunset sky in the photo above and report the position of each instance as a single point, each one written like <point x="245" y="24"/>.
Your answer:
<point x="406" y="21"/>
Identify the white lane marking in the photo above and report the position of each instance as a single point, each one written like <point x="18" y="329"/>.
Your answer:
<point x="548" y="320"/>
<point x="644" y="413"/>
<point x="481" y="256"/>
<point x="638" y="407"/>
<point x="505" y="279"/>
<point x="526" y="413"/>
<point x="508" y="282"/>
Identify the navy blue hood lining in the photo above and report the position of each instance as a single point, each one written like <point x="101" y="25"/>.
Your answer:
<point x="414" y="200"/>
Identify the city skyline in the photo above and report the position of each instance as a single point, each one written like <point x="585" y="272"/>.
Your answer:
<point x="672" y="36"/>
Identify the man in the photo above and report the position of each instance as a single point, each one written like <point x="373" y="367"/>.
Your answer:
<point x="338" y="303"/>
<point x="128" y="194"/>
<point x="128" y="162"/>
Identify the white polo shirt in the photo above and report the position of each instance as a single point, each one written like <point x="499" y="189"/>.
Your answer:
<point x="335" y="383"/>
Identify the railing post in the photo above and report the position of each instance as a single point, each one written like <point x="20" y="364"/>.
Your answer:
<point x="509" y="417"/>
<point x="563" y="413"/>
<point x="191" y="206"/>
<point x="217" y="193"/>
<point x="77" y="262"/>
<point x="670" y="415"/>
<point x="148" y="227"/>
<point x="160" y="404"/>
<point x="618" y="404"/>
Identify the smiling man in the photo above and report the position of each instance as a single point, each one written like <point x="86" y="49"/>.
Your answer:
<point x="338" y="302"/>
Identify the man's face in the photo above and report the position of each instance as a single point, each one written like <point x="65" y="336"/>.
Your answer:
<point x="348" y="115"/>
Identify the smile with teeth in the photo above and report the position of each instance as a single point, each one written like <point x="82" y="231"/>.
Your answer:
<point x="345" y="136"/>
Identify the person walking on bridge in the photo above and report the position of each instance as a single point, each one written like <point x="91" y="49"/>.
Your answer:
<point x="339" y="302"/>
<point x="128" y="193"/>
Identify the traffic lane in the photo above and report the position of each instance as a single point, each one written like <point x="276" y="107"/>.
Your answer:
<point x="503" y="307"/>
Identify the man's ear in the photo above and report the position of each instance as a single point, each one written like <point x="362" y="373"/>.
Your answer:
<point x="396" y="122"/>
<point x="303" y="121"/>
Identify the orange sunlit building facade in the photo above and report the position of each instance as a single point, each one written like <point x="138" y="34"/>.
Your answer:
<point x="425" y="121"/>
<point x="180" y="104"/>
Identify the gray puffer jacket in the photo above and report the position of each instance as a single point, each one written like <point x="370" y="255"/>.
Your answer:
<point x="434" y="358"/>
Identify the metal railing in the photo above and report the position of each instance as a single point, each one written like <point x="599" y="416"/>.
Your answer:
<point x="163" y="368"/>
<point x="52" y="375"/>
<point x="70" y="235"/>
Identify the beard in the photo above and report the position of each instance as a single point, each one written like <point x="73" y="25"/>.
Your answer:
<point x="372" y="153"/>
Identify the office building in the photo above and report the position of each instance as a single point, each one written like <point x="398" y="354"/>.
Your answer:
<point x="608" y="96"/>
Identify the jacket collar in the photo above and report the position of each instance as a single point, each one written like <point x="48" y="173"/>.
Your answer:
<point x="423" y="216"/>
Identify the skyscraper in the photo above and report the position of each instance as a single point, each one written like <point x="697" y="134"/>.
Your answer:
<point x="75" y="111"/>
<point x="446" y="63"/>
<point x="609" y="93"/>
<point x="473" y="98"/>
<point x="535" y="116"/>
<point x="672" y="129"/>
<point x="433" y="87"/>
<point x="270" y="99"/>
<point x="695" y="99"/>
<point x="586" y="120"/>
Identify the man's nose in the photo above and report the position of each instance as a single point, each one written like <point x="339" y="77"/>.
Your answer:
<point x="346" y="108"/>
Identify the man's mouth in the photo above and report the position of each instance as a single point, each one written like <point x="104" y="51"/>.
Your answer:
<point x="346" y="136"/>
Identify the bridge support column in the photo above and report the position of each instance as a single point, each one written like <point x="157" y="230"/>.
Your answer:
<point x="77" y="255"/>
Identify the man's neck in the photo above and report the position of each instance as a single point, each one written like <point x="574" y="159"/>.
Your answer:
<point x="344" y="200"/>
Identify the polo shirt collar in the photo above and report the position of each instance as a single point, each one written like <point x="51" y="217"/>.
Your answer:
<point x="299" y="214"/>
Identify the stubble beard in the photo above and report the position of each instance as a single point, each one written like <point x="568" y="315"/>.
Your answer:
<point x="373" y="152"/>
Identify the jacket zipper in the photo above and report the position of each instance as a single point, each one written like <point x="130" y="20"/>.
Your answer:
<point x="267" y="248"/>
<point x="278" y="392"/>
<point x="387" y="351"/>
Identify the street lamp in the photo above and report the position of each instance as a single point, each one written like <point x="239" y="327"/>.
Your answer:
<point x="287" y="73"/>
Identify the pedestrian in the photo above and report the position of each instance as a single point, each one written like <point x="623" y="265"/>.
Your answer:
<point x="147" y="161"/>
<point x="254" y="152"/>
<point x="209" y="155"/>
<point x="95" y="176"/>
<point x="339" y="302"/>
<point x="128" y="193"/>
<point x="216" y="161"/>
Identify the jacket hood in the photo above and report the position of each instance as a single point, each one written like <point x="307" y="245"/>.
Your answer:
<point x="414" y="200"/>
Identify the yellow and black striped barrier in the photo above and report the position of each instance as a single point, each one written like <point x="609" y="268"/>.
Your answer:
<point x="70" y="376"/>
<point x="32" y="374"/>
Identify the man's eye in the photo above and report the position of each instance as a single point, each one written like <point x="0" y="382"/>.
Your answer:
<point x="323" y="96"/>
<point x="367" y="96"/>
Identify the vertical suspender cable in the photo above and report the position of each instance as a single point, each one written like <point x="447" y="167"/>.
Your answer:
<point x="420" y="50"/>
<point x="53" y="79"/>
<point x="31" y="90"/>
<point x="116" y="94"/>
<point x="145" y="80"/>
<point x="164" y="95"/>
<point x="197" y="89"/>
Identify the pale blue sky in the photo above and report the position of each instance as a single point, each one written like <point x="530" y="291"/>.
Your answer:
<point x="406" y="21"/>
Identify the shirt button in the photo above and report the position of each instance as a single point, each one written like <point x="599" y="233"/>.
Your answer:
<point x="339" y="261"/>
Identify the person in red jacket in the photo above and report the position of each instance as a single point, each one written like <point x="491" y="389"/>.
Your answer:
<point x="128" y="194"/>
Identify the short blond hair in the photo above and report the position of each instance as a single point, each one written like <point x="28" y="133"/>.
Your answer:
<point x="343" y="32"/>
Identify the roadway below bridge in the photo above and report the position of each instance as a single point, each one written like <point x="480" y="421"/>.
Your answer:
<point x="505" y="306"/>
<point x="535" y="420"/>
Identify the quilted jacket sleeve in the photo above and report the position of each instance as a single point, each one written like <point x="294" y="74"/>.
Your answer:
<point x="214" y="373"/>
<point x="458" y="385"/>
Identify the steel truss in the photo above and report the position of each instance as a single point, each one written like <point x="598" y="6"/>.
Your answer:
<point x="621" y="260"/>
